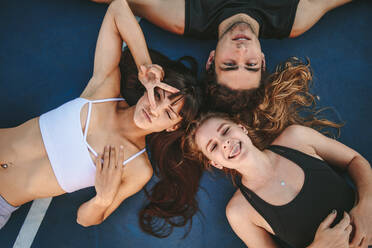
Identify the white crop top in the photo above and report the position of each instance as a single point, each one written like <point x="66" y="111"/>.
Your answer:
<point x="66" y="145"/>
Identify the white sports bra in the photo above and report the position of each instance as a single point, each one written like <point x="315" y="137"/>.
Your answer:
<point x="67" y="147"/>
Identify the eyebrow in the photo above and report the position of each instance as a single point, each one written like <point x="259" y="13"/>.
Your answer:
<point x="252" y="69"/>
<point x="220" y="127"/>
<point x="206" y="147"/>
<point x="174" y="103"/>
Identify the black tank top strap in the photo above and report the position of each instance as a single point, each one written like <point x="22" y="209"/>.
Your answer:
<point x="267" y="211"/>
<point x="303" y="160"/>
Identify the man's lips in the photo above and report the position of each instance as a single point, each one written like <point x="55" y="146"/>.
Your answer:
<point x="146" y="115"/>
<point x="241" y="37"/>
<point x="235" y="151"/>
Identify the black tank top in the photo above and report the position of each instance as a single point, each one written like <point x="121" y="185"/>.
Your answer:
<point x="275" y="17"/>
<point x="323" y="190"/>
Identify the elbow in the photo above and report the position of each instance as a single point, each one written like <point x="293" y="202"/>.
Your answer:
<point x="87" y="223"/>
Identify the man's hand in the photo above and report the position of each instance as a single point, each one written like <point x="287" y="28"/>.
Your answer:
<point x="150" y="76"/>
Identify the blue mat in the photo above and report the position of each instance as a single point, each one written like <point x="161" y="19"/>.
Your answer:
<point x="46" y="59"/>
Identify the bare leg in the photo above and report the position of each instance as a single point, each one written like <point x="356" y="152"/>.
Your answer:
<point x="167" y="14"/>
<point x="310" y="11"/>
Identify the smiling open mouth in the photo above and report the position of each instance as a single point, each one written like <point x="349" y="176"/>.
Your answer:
<point x="240" y="37"/>
<point x="235" y="151"/>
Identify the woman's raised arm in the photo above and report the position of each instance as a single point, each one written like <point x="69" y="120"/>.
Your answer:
<point x="119" y="24"/>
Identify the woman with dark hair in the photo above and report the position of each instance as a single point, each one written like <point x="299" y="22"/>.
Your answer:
<point x="57" y="152"/>
<point x="280" y="104"/>
<point x="166" y="199"/>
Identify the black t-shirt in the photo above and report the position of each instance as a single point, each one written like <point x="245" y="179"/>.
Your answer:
<point x="275" y="17"/>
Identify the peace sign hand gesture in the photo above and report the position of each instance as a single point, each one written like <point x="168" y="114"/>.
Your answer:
<point x="150" y="76"/>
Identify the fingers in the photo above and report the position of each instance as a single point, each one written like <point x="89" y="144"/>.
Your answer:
<point x="344" y="223"/>
<point x="358" y="238"/>
<point x="151" y="97"/>
<point x="167" y="87"/>
<point x="121" y="157"/>
<point x="349" y="228"/>
<point x="106" y="157"/>
<point x="157" y="70"/>
<point x="113" y="159"/>
<point x="98" y="163"/>
<point x="328" y="220"/>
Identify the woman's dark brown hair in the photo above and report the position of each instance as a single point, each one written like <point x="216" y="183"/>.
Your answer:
<point x="171" y="201"/>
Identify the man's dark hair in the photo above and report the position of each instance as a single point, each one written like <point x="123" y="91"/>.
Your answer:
<point x="222" y="98"/>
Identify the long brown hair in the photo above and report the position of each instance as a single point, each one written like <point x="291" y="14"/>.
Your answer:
<point x="287" y="100"/>
<point x="171" y="201"/>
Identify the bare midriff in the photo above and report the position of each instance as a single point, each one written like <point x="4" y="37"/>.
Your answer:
<point x="28" y="174"/>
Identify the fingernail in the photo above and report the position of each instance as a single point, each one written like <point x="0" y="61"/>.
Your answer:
<point x="334" y="211"/>
<point x="121" y="147"/>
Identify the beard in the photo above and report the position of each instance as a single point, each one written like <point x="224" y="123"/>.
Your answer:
<point x="233" y="25"/>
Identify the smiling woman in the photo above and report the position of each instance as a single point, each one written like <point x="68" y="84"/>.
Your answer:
<point x="279" y="183"/>
<point x="88" y="140"/>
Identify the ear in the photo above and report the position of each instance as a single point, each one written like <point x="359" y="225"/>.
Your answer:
<point x="173" y="128"/>
<point x="243" y="128"/>
<point x="214" y="164"/>
<point x="263" y="66"/>
<point x="210" y="60"/>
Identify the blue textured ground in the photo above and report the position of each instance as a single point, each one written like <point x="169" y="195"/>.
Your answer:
<point x="46" y="59"/>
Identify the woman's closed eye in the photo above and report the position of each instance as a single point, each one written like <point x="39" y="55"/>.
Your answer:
<point x="214" y="146"/>
<point x="226" y="131"/>
<point x="169" y="114"/>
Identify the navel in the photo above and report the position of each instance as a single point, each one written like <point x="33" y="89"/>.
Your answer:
<point x="5" y="165"/>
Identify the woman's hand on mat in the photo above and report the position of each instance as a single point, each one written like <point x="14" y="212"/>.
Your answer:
<point x="109" y="169"/>
<point x="361" y="219"/>
<point x="333" y="237"/>
<point x="151" y="76"/>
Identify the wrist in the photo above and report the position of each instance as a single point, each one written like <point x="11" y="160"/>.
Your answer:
<point x="101" y="202"/>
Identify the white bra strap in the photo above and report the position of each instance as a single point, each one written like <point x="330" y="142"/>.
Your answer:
<point x="125" y="162"/>
<point x="91" y="149"/>
<point x="87" y="121"/>
<point x="134" y="156"/>
<point x="107" y="100"/>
